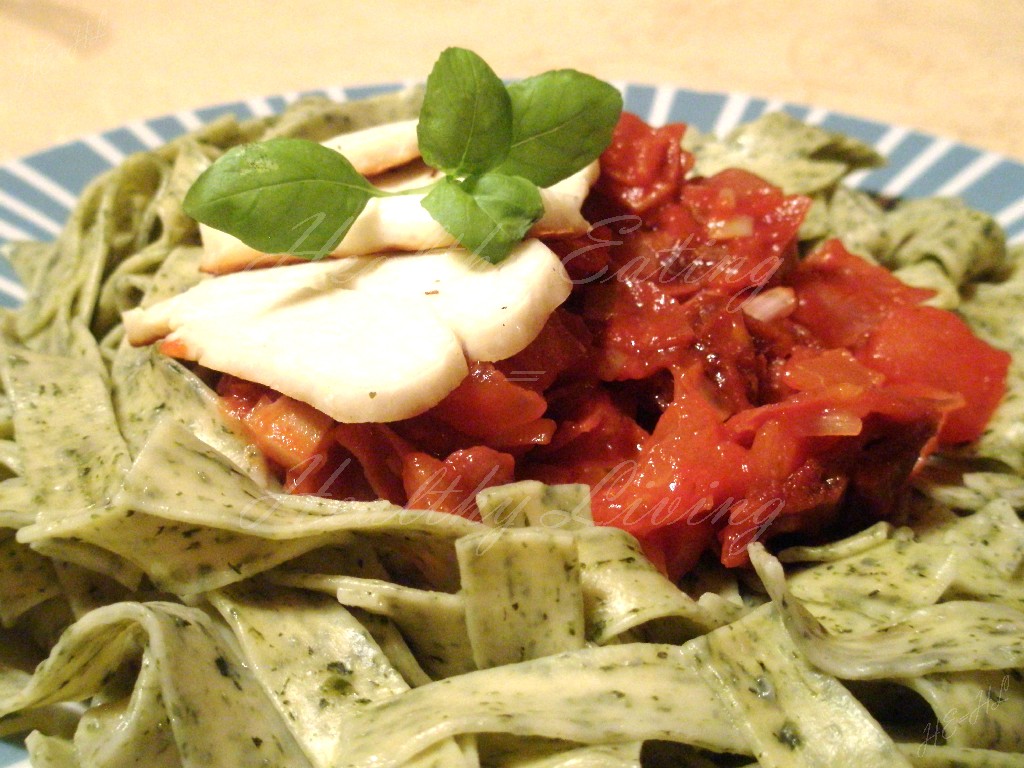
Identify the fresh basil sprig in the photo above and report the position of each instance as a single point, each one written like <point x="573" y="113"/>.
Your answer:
<point x="561" y="122"/>
<point x="488" y="214"/>
<point x="281" y="196"/>
<point x="495" y="144"/>
<point x="465" y="124"/>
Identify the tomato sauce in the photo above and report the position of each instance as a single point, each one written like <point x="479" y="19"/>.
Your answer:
<point x="711" y="386"/>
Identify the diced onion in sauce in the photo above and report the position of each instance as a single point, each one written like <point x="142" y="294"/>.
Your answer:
<point x="771" y="305"/>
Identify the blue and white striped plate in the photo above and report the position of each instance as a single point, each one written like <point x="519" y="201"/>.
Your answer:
<point x="37" y="192"/>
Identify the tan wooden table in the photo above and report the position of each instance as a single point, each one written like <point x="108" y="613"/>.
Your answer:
<point x="953" y="67"/>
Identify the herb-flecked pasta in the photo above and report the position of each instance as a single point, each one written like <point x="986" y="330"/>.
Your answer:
<point x="200" y="616"/>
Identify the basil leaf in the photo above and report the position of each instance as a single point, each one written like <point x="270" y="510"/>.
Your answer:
<point x="561" y="122"/>
<point x="281" y="196"/>
<point x="487" y="214"/>
<point x="465" y="125"/>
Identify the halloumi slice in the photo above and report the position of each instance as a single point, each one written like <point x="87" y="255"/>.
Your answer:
<point x="403" y="224"/>
<point x="378" y="148"/>
<point x="367" y="339"/>
<point x="495" y="310"/>
<point x="409" y="176"/>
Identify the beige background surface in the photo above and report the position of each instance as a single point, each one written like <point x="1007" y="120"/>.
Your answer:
<point x="954" y="67"/>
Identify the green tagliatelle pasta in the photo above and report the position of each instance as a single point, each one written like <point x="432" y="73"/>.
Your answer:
<point x="195" y="615"/>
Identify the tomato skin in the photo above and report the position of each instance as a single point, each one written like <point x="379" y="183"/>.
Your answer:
<point x="917" y="345"/>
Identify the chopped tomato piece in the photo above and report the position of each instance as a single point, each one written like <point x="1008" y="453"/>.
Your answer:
<point x="750" y="230"/>
<point x="561" y="350"/>
<point x="452" y="485"/>
<point x="593" y="437"/>
<point x="806" y="499"/>
<point x="887" y="457"/>
<point x="586" y="258"/>
<point x="643" y="330"/>
<point x="379" y="456"/>
<point x="239" y="397"/>
<point x="288" y="431"/>
<point x="491" y="408"/>
<point x="333" y="473"/>
<point x="841" y="297"/>
<point x="730" y="360"/>
<point x="925" y="345"/>
<point x="174" y="348"/>
<point x="676" y="548"/>
<point x="644" y="166"/>
<point x="687" y="466"/>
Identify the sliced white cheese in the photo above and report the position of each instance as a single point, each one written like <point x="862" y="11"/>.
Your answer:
<point x="368" y="339"/>
<point x="403" y="224"/>
<point x="409" y="176"/>
<point x="378" y="148"/>
<point x="347" y="353"/>
<point x="495" y="310"/>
